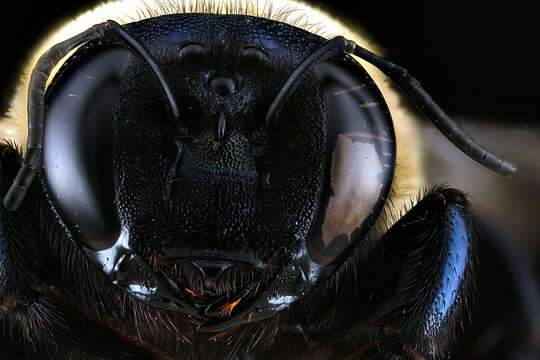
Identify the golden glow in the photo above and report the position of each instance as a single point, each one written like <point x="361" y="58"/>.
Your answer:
<point x="227" y="309"/>
<point x="409" y="171"/>
<point x="195" y="294"/>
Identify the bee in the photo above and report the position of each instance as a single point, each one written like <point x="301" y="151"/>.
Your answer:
<point x="217" y="180"/>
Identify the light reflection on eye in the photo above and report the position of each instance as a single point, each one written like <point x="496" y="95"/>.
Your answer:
<point x="355" y="181"/>
<point x="361" y="167"/>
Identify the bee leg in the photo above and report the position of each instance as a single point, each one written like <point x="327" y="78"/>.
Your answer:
<point x="423" y="275"/>
<point x="36" y="319"/>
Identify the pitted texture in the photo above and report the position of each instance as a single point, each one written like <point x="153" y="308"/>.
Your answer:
<point x="224" y="193"/>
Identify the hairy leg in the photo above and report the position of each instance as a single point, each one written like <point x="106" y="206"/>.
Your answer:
<point x="423" y="275"/>
<point x="35" y="318"/>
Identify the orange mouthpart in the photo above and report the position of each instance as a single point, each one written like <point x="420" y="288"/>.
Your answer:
<point x="227" y="309"/>
<point x="195" y="294"/>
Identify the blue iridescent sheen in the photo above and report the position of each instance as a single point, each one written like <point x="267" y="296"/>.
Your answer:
<point x="453" y="267"/>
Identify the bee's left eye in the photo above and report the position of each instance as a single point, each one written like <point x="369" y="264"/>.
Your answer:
<point x="360" y="161"/>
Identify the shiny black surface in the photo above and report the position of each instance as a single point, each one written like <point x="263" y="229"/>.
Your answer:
<point x="362" y="152"/>
<point x="77" y="158"/>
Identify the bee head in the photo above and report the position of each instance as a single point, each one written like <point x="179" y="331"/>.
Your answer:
<point x="230" y="201"/>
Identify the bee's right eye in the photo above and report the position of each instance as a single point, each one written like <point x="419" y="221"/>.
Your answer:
<point x="77" y="156"/>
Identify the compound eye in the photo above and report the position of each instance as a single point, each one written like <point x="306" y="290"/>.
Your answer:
<point x="360" y="161"/>
<point x="190" y="48"/>
<point x="254" y="53"/>
<point x="354" y="191"/>
<point x="77" y="150"/>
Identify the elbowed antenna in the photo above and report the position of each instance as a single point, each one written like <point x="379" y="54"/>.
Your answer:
<point x="36" y="101"/>
<point x="337" y="43"/>
<point x="36" y="112"/>
<point x="423" y="101"/>
<point x="155" y="68"/>
<point x="411" y="87"/>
